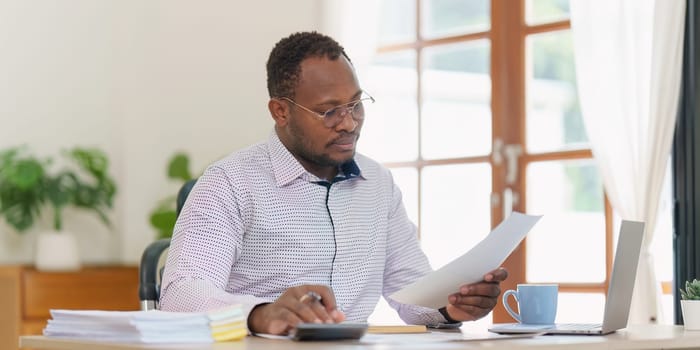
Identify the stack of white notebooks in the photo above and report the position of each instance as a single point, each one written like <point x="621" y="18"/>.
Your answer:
<point x="148" y="326"/>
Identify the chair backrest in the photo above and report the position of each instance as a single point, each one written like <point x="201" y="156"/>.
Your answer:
<point x="150" y="273"/>
<point x="154" y="257"/>
<point x="182" y="195"/>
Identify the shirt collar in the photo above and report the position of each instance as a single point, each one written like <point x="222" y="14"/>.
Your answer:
<point x="286" y="168"/>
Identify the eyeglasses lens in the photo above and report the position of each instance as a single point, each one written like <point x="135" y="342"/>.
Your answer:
<point x="335" y="116"/>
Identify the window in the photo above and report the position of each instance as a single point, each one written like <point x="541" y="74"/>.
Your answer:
<point x="477" y="113"/>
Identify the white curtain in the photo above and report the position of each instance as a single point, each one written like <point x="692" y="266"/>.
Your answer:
<point x="628" y="65"/>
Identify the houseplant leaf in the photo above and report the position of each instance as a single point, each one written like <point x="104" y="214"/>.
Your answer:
<point x="163" y="217"/>
<point x="22" y="188"/>
<point x="179" y="167"/>
<point x="27" y="185"/>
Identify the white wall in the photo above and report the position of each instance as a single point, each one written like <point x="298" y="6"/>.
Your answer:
<point x="141" y="80"/>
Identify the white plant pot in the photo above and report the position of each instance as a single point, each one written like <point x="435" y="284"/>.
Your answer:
<point x="691" y="314"/>
<point x="57" y="251"/>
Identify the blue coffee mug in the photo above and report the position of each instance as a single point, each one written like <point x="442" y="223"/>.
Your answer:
<point x="537" y="303"/>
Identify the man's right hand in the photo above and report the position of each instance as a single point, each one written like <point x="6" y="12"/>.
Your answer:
<point x="292" y="308"/>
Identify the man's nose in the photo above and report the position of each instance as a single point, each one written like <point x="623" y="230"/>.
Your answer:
<point x="344" y="124"/>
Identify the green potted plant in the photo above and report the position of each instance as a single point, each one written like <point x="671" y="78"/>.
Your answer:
<point x="690" y="305"/>
<point x="28" y="188"/>
<point x="164" y="215"/>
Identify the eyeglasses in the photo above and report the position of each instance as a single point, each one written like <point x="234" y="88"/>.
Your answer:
<point x="334" y="116"/>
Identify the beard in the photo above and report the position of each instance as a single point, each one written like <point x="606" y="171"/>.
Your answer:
<point x="303" y="148"/>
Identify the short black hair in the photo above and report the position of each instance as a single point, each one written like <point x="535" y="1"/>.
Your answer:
<point x="284" y="63"/>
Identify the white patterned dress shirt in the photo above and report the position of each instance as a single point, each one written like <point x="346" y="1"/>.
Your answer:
<point x="257" y="223"/>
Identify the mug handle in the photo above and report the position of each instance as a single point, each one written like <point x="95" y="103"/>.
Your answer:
<point x="512" y="313"/>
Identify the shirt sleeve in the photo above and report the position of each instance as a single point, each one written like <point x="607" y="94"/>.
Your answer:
<point x="205" y="244"/>
<point x="406" y="263"/>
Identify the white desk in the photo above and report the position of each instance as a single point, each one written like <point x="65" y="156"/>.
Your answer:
<point x="639" y="337"/>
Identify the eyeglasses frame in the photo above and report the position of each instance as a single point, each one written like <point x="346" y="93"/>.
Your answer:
<point x="348" y="108"/>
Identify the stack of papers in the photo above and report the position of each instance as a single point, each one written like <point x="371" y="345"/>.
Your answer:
<point x="148" y="326"/>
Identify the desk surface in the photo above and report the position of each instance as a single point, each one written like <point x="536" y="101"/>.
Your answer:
<point x="635" y="337"/>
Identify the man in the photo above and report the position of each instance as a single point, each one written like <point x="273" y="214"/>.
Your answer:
<point x="301" y="228"/>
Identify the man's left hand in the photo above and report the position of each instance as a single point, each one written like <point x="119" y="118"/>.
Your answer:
<point x="474" y="301"/>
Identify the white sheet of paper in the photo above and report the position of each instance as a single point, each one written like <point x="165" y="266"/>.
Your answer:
<point x="432" y="289"/>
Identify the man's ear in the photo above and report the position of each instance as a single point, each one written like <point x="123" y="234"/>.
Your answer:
<point x="279" y="111"/>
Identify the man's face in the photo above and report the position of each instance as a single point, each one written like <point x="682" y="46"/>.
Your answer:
<point x="323" y="84"/>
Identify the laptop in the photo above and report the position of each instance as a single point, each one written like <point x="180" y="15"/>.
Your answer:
<point x="617" y="304"/>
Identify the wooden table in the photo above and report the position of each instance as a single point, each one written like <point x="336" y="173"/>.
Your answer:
<point x="635" y="337"/>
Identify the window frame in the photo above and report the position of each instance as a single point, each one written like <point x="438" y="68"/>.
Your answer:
<point x="508" y="34"/>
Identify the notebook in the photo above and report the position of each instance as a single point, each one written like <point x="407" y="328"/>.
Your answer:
<point x="617" y="304"/>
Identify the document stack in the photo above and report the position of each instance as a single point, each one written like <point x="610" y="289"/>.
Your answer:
<point x="148" y="326"/>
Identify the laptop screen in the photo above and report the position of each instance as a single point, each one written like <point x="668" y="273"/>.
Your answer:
<point x="624" y="273"/>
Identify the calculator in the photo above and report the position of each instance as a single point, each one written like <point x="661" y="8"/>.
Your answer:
<point x="328" y="331"/>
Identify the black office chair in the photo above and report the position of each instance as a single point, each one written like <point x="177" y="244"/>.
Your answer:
<point x="154" y="257"/>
